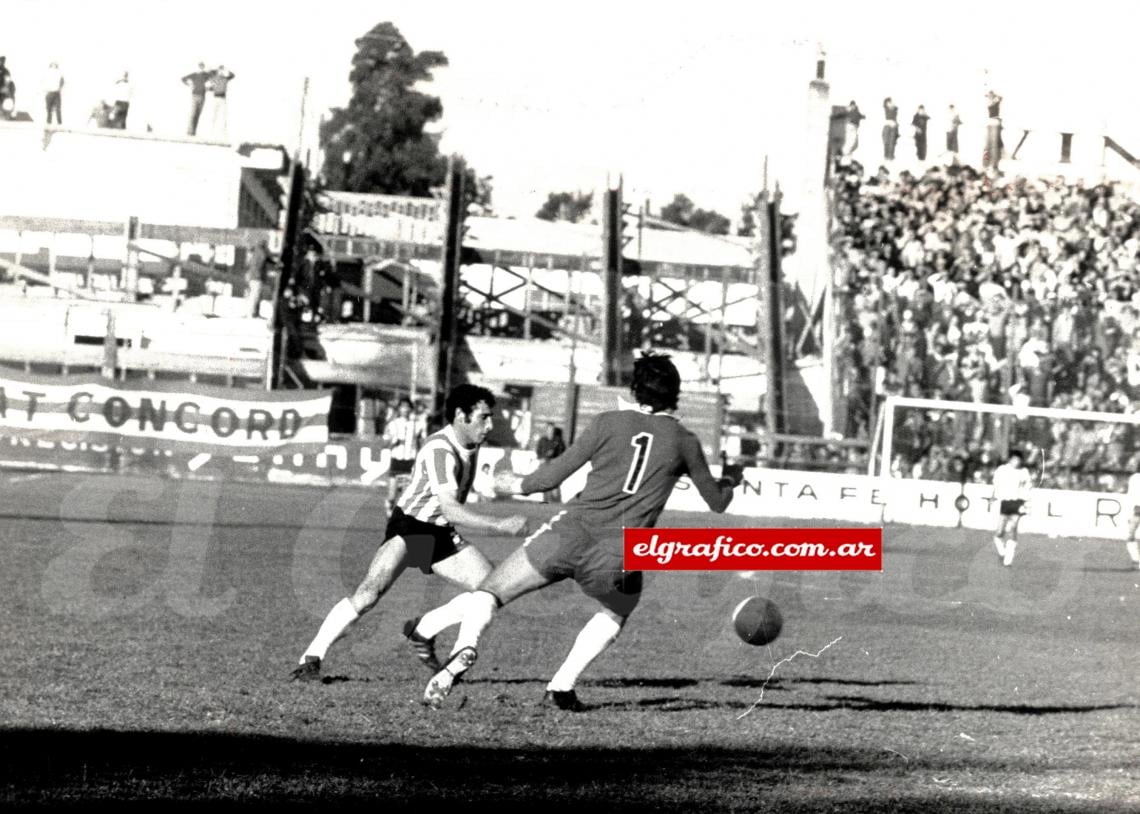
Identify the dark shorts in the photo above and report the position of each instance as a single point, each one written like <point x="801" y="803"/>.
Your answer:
<point x="402" y="466"/>
<point x="427" y="543"/>
<point x="564" y="548"/>
<point x="1011" y="507"/>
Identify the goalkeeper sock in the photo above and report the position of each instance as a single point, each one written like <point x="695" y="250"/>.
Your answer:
<point x="598" y="634"/>
<point x="999" y="543"/>
<point x="336" y="623"/>
<point x="1133" y="550"/>
<point x="436" y="621"/>
<point x="478" y="610"/>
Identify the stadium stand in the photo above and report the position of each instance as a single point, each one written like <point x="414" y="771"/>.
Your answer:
<point x="960" y="286"/>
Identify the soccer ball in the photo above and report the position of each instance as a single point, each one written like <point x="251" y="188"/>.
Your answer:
<point x="757" y="620"/>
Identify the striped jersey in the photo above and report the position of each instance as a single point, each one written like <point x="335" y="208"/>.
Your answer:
<point x="402" y="434"/>
<point x="441" y="464"/>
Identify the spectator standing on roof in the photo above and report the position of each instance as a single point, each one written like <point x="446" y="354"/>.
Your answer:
<point x="53" y="94"/>
<point x="890" y="128"/>
<point x="919" y="123"/>
<point x="196" y="81"/>
<point x="953" y="122"/>
<point x="218" y="86"/>
<point x="992" y="155"/>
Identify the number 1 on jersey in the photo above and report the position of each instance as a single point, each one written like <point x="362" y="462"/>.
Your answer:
<point x="642" y="442"/>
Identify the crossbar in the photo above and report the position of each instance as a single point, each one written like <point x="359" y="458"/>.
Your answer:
<point x="1009" y="409"/>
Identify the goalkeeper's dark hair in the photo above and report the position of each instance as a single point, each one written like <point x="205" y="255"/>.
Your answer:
<point x="656" y="382"/>
<point x="464" y="398"/>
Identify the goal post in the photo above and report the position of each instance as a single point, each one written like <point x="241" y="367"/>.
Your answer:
<point x="1090" y="443"/>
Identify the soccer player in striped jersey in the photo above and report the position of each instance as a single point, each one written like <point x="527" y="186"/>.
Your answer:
<point x="402" y="435"/>
<point x="636" y="456"/>
<point x="1011" y="489"/>
<point x="421" y="532"/>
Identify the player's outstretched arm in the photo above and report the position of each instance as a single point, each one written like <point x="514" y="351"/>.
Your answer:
<point x="456" y="513"/>
<point x="716" y="493"/>
<point x="552" y="473"/>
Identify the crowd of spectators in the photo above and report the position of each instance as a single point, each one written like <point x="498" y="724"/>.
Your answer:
<point x="967" y="287"/>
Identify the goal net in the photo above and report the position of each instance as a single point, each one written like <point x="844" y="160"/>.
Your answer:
<point x="936" y="458"/>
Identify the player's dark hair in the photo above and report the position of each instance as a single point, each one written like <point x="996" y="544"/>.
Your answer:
<point x="656" y="382"/>
<point x="407" y="401"/>
<point x="464" y="398"/>
<point x="1015" y="453"/>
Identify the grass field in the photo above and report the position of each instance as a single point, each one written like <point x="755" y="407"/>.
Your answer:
<point x="149" y="628"/>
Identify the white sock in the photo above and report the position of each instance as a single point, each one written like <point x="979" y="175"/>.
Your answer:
<point x="336" y="623"/>
<point x="479" y="609"/>
<point x="1133" y="550"/>
<point x="999" y="543"/>
<point x="598" y="634"/>
<point x="443" y="617"/>
<point x="1010" y="547"/>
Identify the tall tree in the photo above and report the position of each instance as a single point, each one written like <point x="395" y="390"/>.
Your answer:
<point x="377" y="143"/>
<point x="707" y="220"/>
<point x="571" y="206"/>
<point x="679" y="210"/>
<point x="683" y="212"/>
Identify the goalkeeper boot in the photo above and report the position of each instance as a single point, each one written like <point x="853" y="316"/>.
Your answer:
<point x="308" y="670"/>
<point x="424" y="647"/>
<point x="563" y="699"/>
<point x="441" y="683"/>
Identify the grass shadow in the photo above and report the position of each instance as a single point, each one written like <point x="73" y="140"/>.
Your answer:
<point x="57" y="767"/>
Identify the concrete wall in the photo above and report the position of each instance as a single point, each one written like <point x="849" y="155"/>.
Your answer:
<point x="109" y="175"/>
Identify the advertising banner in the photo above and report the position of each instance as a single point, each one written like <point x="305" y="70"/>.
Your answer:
<point x="805" y="496"/>
<point x="794" y="494"/>
<point x="1054" y="512"/>
<point x="160" y="415"/>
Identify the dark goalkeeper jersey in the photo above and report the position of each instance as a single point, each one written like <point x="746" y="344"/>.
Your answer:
<point x="636" y="459"/>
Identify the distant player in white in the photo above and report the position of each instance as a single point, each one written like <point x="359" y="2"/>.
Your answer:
<point x="1134" y="521"/>
<point x="402" y="435"/>
<point x="421" y="532"/>
<point x="1011" y="488"/>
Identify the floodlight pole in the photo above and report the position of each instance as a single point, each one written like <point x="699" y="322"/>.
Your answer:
<point x="770" y="313"/>
<point x="448" y="314"/>
<point x="611" y="286"/>
<point x="573" y="288"/>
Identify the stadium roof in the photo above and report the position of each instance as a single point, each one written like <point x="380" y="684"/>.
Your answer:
<point x="540" y="243"/>
<point x="655" y="247"/>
